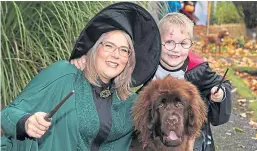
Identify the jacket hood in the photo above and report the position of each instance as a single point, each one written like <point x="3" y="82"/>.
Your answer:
<point x="138" y="23"/>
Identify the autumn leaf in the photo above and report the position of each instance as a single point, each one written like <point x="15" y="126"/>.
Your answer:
<point x="237" y="129"/>
<point x="253" y="124"/>
<point x="243" y="114"/>
<point x="241" y="100"/>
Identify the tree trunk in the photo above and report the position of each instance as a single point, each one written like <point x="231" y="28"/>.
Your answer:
<point x="248" y="11"/>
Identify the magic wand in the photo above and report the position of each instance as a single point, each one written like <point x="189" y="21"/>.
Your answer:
<point x="51" y="113"/>
<point x="223" y="78"/>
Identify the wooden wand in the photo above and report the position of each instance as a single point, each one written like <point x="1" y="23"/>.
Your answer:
<point x="223" y="78"/>
<point x="49" y="115"/>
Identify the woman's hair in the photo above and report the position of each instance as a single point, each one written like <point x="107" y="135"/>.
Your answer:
<point x="179" y="20"/>
<point x="123" y="80"/>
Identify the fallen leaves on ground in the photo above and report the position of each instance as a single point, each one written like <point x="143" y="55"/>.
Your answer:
<point x="253" y="124"/>
<point x="251" y="81"/>
<point x="237" y="129"/>
<point x="243" y="114"/>
<point x="235" y="52"/>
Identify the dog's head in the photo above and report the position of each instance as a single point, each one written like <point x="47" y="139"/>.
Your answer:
<point x="223" y="33"/>
<point x="169" y="109"/>
<point x="170" y="118"/>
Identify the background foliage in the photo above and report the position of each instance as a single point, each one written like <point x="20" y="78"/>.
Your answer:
<point x="36" y="34"/>
<point x="226" y="13"/>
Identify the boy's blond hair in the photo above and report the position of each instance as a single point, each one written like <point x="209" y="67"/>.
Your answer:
<point x="176" y="19"/>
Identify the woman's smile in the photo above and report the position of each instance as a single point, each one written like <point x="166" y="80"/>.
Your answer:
<point x="112" y="64"/>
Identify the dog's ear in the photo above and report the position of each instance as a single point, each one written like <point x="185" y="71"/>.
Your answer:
<point x="190" y="122"/>
<point x="153" y="117"/>
<point x="196" y="116"/>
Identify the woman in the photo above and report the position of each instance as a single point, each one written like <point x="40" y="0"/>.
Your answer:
<point x="97" y="116"/>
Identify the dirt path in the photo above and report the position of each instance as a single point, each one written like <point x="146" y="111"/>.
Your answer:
<point x="227" y="139"/>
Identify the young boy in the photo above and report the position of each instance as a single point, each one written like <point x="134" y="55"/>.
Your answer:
<point x="177" y="60"/>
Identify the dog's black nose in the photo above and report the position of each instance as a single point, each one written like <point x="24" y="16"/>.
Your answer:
<point x="172" y="120"/>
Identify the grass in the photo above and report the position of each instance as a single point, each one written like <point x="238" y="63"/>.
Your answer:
<point x="243" y="90"/>
<point x="34" y="35"/>
<point x="253" y="106"/>
<point x="249" y="70"/>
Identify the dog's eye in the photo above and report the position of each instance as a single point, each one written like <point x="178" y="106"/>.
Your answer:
<point x="161" y="105"/>
<point x="179" y="104"/>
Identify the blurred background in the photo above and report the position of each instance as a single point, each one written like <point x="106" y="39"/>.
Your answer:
<point x="225" y="36"/>
<point x="36" y="34"/>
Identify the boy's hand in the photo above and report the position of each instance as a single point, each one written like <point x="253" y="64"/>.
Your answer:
<point x="36" y="125"/>
<point x="190" y="144"/>
<point x="80" y="63"/>
<point x="217" y="97"/>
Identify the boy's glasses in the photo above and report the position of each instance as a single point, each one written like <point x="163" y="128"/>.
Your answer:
<point x="170" y="45"/>
<point x="110" y="47"/>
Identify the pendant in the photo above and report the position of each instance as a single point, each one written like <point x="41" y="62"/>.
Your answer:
<point x="105" y="93"/>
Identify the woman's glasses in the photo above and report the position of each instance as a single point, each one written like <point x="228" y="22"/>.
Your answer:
<point x="170" y="45"/>
<point x="110" y="47"/>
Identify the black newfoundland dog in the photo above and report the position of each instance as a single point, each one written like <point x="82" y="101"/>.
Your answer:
<point x="167" y="114"/>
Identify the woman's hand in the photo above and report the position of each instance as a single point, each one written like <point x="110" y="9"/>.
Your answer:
<point x="216" y="97"/>
<point x="80" y="63"/>
<point x="36" y="125"/>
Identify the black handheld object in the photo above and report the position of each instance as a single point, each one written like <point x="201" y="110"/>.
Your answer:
<point x="50" y="114"/>
<point x="223" y="78"/>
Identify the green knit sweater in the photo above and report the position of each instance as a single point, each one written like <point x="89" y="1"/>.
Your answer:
<point x="75" y="124"/>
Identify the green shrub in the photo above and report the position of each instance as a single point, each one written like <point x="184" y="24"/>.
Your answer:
<point x="226" y="13"/>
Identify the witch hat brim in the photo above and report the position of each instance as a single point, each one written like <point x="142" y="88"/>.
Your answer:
<point x="141" y="27"/>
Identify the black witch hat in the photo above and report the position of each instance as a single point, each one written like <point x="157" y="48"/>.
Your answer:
<point x="138" y="23"/>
